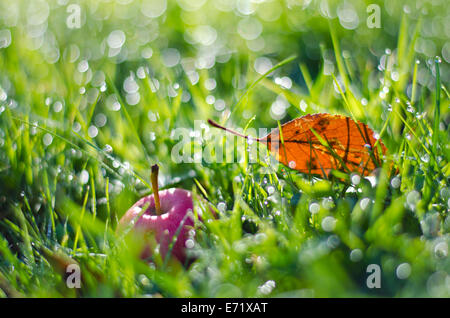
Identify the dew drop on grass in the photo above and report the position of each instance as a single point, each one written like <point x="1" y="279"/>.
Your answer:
<point x="144" y="280"/>
<point x="210" y="84"/>
<point x="292" y="164"/>
<point x="210" y="99"/>
<point x="412" y="198"/>
<point x="303" y="105"/>
<point x="141" y="72"/>
<point x="267" y="287"/>
<point x="108" y="148"/>
<point x="403" y="271"/>
<point x="364" y="203"/>
<point x="262" y="65"/>
<point x="327" y="203"/>
<point x="356" y="255"/>
<point x="83" y="66"/>
<point x="395" y="182"/>
<point x="189" y="243"/>
<point x="356" y="179"/>
<point x="47" y="139"/>
<point x="437" y="283"/>
<point x="92" y="131"/>
<point x="333" y="241"/>
<point x="57" y="106"/>
<point x="116" y="39"/>
<point x="445" y="193"/>
<point x="328" y="223"/>
<point x="116" y="164"/>
<point x="270" y="190"/>
<point x="100" y="120"/>
<point x="222" y="206"/>
<point x="219" y="105"/>
<point x="314" y="208"/>
<point x="425" y="158"/>
<point x="441" y="250"/>
<point x="84" y="177"/>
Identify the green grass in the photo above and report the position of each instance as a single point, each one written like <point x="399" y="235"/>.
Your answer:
<point x="67" y="176"/>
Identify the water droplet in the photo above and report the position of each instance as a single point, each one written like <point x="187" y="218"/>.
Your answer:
<point x="441" y="249"/>
<point x="396" y="182"/>
<point x="222" y="206"/>
<point x="190" y="243"/>
<point x="303" y="105"/>
<point x="412" y="198"/>
<point x="170" y="57"/>
<point x="47" y="139"/>
<point x="108" y="148"/>
<point x="210" y="99"/>
<point x="425" y="158"/>
<point x="219" y="105"/>
<point x="57" y="106"/>
<point x="267" y="287"/>
<point x="314" y="208"/>
<point x="328" y="223"/>
<point x="84" y="177"/>
<point x="403" y="271"/>
<point x="210" y="84"/>
<point x="92" y="131"/>
<point x="356" y="179"/>
<point x="356" y="255"/>
<point x="83" y="66"/>
<point x="364" y="203"/>
<point x="116" y="39"/>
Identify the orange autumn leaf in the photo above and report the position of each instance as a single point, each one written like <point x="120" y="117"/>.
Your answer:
<point x="318" y="143"/>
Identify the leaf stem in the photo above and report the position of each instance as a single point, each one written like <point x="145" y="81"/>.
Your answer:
<point x="214" y="124"/>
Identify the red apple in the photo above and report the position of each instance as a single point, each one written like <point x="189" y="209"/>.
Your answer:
<point x="168" y="211"/>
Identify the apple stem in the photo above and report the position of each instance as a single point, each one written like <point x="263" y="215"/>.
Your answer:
<point x="214" y="124"/>
<point x="154" y="179"/>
